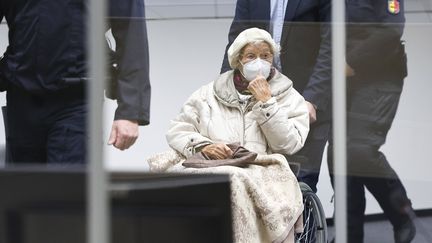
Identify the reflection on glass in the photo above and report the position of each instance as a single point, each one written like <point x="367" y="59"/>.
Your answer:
<point x="187" y="43"/>
<point x="44" y="71"/>
<point x="376" y="68"/>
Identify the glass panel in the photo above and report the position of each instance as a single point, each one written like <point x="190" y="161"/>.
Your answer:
<point x="387" y="115"/>
<point x="384" y="158"/>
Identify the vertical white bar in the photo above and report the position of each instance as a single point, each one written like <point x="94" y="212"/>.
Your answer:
<point x="97" y="198"/>
<point x="339" y="119"/>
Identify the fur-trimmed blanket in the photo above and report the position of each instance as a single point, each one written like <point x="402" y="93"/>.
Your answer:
<point x="265" y="196"/>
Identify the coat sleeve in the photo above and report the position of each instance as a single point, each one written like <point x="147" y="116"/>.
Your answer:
<point x="318" y="89"/>
<point x="127" y="22"/>
<point x="284" y="122"/>
<point x="184" y="133"/>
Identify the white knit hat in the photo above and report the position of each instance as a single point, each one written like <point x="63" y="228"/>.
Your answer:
<point x="248" y="36"/>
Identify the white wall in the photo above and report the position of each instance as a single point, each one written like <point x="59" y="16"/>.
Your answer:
<point x="161" y="9"/>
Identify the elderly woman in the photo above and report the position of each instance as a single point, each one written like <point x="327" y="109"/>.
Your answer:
<point x="256" y="107"/>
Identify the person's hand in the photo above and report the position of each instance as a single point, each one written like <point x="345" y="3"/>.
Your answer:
<point x="312" y="112"/>
<point x="260" y="88"/>
<point x="217" y="151"/>
<point x="349" y="72"/>
<point x="124" y="133"/>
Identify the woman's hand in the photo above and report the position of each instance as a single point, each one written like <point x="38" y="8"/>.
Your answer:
<point x="217" y="151"/>
<point x="260" y="88"/>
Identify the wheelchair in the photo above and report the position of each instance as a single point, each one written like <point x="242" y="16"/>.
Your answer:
<point x="314" y="220"/>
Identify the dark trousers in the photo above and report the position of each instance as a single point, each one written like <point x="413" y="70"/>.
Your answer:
<point x="48" y="128"/>
<point x="371" y="109"/>
<point x="313" y="150"/>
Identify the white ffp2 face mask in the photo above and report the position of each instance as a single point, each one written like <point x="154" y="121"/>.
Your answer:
<point x="253" y="68"/>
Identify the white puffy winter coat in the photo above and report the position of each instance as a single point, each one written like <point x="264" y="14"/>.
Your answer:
<point x="213" y="114"/>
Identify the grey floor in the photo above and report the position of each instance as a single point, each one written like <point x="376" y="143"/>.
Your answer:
<point x="382" y="232"/>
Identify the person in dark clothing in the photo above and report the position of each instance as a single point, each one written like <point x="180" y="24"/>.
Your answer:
<point x="302" y="30"/>
<point x="44" y="72"/>
<point x="376" y="68"/>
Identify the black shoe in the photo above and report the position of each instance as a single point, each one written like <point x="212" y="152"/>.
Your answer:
<point x="405" y="233"/>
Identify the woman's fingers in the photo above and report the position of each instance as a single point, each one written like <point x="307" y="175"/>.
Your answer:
<point x="217" y="151"/>
<point x="260" y="89"/>
<point x="228" y="151"/>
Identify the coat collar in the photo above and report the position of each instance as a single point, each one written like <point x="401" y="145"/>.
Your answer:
<point x="225" y="91"/>
<point x="261" y="11"/>
<point x="291" y="9"/>
<point x="289" y="16"/>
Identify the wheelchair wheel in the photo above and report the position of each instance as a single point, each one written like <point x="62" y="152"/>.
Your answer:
<point x="314" y="221"/>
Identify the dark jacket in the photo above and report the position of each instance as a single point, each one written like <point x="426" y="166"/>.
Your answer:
<point x="47" y="50"/>
<point x="305" y="44"/>
<point x="374" y="47"/>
